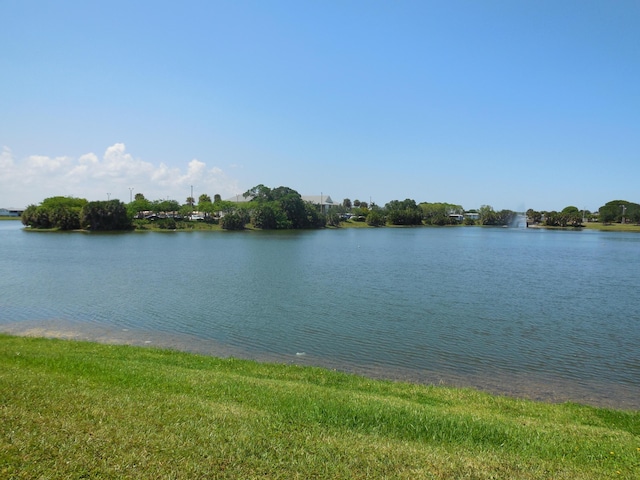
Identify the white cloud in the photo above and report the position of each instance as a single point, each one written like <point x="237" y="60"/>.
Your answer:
<point x="118" y="164"/>
<point x="31" y="180"/>
<point x="88" y="158"/>
<point x="40" y="164"/>
<point x="6" y="159"/>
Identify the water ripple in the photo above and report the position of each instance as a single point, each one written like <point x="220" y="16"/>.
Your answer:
<point x="540" y="313"/>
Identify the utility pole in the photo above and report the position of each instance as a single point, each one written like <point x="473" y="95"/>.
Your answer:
<point x="108" y="196"/>
<point x="130" y="194"/>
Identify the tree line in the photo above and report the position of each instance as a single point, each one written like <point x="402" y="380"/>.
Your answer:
<point x="283" y="208"/>
<point x="69" y="213"/>
<point x="615" y="211"/>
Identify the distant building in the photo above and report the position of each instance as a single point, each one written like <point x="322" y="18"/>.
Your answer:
<point x="238" y="199"/>
<point x="323" y="201"/>
<point x="11" y="212"/>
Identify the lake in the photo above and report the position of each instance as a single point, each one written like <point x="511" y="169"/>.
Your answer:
<point x="549" y="315"/>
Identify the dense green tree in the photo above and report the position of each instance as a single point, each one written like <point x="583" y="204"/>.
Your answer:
<point x="259" y="193"/>
<point x="294" y="208"/>
<point x="439" y="219"/>
<point x="375" y="219"/>
<point x="333" y="218"/>
<point x="138" y="206"/>
<point x="633" y="213"/>
<point x="505" y="217"/>
<point x="360" y="211"/>
<point x="209" y="209"/>
<point x="55" y="212"/>
<point x="281" y="208"/>
<point x="205" y="206"/>
<point x="552" y="218"/>
<point x="65" y="218"/>
<point x="556" y="219"/>
<point x="487" y="215"/>
<point x="346" y="203"/>
<point x="165" y="206"/>
<point x="314" y="218"/>
<point x="105" y="215"/>
<point x="619" y="211"/>
<point x="571" y="216"/>
<point x="268" y="215"/>
<point x="570" y="209"/>
<point x="439" y="213"/>
<point x="29" y="216"/>
<point x="608" y="213"/>
<point x="184" y="211"/>
<point x="69" y="202"/>
<point x="404" y="212"/>
<point x="224" y="206"/>
<point x="534" y="216"/>
<point x="233" y="221"/>
<point x="36" y="217"/>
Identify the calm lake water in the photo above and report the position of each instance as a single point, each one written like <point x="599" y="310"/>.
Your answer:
<point x="550" y="315"/>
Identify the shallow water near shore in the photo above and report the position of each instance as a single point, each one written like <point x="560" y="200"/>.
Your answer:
<point x="549" y="315"/>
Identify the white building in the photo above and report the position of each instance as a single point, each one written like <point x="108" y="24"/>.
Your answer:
<point x="11" y="212"/>
<point x="323" y="201"/>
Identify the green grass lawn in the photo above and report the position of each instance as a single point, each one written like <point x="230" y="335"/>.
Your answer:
<point x="612" y="227"/>
<point x="85" y="410"/>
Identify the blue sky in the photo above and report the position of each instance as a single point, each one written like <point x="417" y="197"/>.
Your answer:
<point x="513" y="104"/>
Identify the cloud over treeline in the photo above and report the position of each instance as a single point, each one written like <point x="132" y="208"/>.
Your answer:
<point x="32" y="179"/>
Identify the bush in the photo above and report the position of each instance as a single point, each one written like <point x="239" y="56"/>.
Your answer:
<point x="375" y="219"/>
<point x="105" y="216"/>
<point x="333" y="219"/>
<point x="55" y="212"/>
<point x="233" y="221"/>
<point x="167" y="224"/>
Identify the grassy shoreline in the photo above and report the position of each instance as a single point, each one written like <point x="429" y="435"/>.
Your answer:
<point x="612" y="227"/>
<point x="73" y="409"/>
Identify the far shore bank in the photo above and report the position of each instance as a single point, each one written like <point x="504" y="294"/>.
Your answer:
<point x="204" y="226"/>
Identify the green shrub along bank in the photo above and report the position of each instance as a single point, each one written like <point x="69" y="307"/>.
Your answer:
<point x="85" y="410"/>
